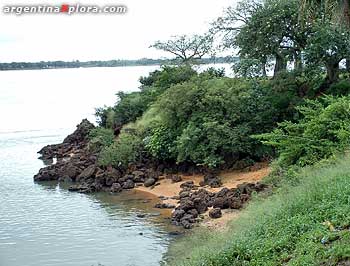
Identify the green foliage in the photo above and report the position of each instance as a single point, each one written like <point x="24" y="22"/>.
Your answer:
<point x="209" y="121"/>
<point x="99" y="138"/>
<point x="270" y="31"/>
<point x="340" y="88"/>
<point x="212" y="72"/>
<point x="248" y="68"/>
<point x="161" y="143"/>
<point x="126" y="149"/>
<point x="323" y="130"/>
<point x="303" y="224"/>
<point x="167" y="77"/>
<point x="328" y="45"/>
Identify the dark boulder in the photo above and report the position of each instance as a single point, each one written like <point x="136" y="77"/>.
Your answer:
<point x="176" y="178"/>
<point x="187" y="185"/>
<point x="116" y="188"/>
<point x="211" y="180"/>
<point x="215" y="213"/>
<point x="128" y="184"/>
<point x="86" y="173"/>
<point x="149" y="182"/>
<point x="164" y="206"/>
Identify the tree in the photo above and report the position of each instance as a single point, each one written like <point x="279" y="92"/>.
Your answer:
<point x="332" y="10"/>
<point x="265" y="31"/>
<point x="329" y="44"/>
<point x="187" y="48"/>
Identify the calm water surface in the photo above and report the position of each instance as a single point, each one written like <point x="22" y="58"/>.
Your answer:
<point x="44" y="224"/>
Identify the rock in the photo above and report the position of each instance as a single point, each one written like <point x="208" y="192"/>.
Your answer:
<point x="193" y="212"/>
<point x="187" y="184"/>
<point x="139" y="176"/>
<point x="174" y="233"/>
<point x="140" y="215"/>
<point x="186" y="204"/>
<point x="215" y="213"/>
<point x="149" y="182"/>
<point x="163" y="198"/>
<point x="69" y="171"/>
<point x="211" y="180"/>
<point x="128" y="184"/>
<point x="164" y="206"/>
<point x="116" y="188"/>
<point x="81" y="133"/>
<point x="184" y="194"/>
<point x="178" y="214"/>
<point x="73" y="188"/>
<point x="86" y="173"/>
<point x="200" y="205"/>
<point x="176" y="178"/>
<point x="219" y="202"/>
<point x="186" y="224"/>
<point x="235" y="203"/>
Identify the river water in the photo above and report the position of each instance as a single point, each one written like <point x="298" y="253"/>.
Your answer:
<point x="44" y="224"/>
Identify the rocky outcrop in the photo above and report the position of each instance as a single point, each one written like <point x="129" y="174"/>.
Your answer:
<point x="76" y="163"/>
<point x="192" y="203"/>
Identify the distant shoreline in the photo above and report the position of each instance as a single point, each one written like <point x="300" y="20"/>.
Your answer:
<point x="111" y="63"/>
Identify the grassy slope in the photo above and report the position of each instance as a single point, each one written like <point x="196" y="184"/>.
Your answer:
<point x="292" y="227"/>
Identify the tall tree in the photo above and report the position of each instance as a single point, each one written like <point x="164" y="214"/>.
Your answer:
<point x="187" y="48"/>
<point x="327" y="10"/>
<point x="264" y="31"/>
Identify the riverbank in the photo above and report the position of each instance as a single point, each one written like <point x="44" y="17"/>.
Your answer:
<point x="188" y="197"/>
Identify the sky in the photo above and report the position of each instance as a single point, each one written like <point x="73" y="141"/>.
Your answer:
<point x="45" y="37"/>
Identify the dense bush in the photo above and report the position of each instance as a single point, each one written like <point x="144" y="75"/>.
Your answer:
<point x="323" y="130"/>
<point x="340" y="88"/>
<point x="100" y="138"/>
<point x="167" y="76"/>
<point x="209" y="121"/>
<point x="126" y="149"/>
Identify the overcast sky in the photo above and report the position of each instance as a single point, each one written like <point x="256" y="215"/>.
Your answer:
<point x="102" y="37"/>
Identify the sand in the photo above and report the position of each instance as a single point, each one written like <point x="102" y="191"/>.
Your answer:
<point x="230" y="179"/>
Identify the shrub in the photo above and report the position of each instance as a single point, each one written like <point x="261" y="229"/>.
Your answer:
<point x="323" y="130"/>
<point x="99" y="138"/>
<point x="126" y="149"/>
<point x="167" y="76"/>
<point x="340" y="88"/>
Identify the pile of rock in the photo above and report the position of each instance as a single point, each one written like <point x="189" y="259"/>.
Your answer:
<point x="75" y="163"/>
<point x="211" y="180"/>
<point x="194" y="203"/>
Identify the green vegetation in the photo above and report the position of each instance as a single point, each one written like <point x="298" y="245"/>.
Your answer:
<point x="204" y="119"/>
<point x="323" y="130"/>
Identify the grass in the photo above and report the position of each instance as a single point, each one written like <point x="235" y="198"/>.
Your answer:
<point x="303" y="224"/>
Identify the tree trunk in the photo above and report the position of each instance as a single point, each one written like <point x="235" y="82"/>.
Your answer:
<point x="346" y="12"/>
<point x="298" y="64"/>
<point x="348" y="64"/>
<point x="332" y="72"/>
<point x="263" y="67"/>
<point x="280" y="65"/>
<point x="264" y="72"/>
